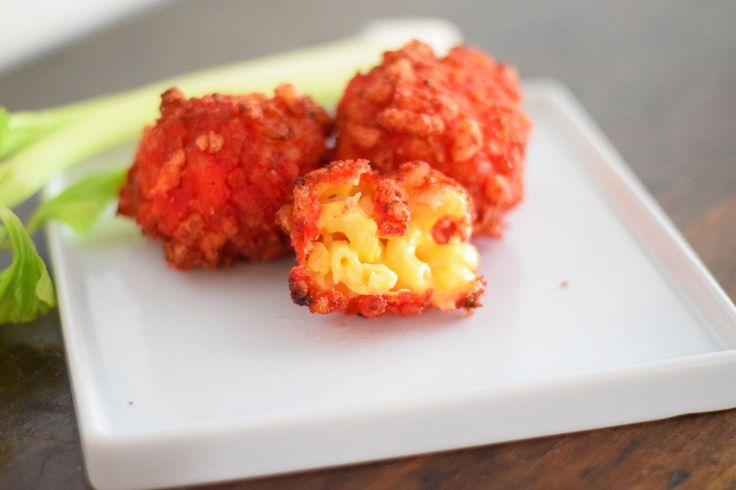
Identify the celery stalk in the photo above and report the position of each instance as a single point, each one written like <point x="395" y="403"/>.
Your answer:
<point x="321" y="72"/>
<point x="26" y="127"/>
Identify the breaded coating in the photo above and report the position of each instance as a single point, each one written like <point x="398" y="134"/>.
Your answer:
<point x="211" y="173"/>
<point x="462" y="114"/>
<point x="368" y="244"/>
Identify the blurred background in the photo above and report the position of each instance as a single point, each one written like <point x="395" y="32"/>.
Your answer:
<point x="658" y="77"/>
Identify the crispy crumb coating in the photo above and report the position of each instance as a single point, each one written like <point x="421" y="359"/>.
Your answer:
<point x="462" y="114"/>
<point x="211" y="173"/>
<point x="368" y="244"/>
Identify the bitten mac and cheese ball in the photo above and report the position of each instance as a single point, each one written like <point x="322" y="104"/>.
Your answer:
<point x="462" y="114"/>
<point x="368" y="244"/>
<point x="211" y="173"/>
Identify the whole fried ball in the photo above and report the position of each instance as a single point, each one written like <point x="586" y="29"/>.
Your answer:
<point x="462" y="114"/>
<point x="211" y="173"/>
<point x="373" y="244"/>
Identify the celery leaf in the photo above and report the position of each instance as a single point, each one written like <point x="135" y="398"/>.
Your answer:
<point x="26" y="291"/>
<point x="81" y="204"/>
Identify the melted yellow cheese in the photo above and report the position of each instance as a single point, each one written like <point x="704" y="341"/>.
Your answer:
<point x="352" y="253"/>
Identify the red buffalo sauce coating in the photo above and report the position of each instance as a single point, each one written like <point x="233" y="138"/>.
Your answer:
<point x="211" y="173"/>
<point x="462" y="114"/>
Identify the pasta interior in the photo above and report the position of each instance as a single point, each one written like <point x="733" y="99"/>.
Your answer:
<point x="351" y="254"/>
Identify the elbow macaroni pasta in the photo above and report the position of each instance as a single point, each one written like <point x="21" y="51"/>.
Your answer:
<point x="351" y="252"/>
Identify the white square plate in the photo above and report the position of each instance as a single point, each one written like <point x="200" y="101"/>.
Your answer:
<point x="192" y="377"/>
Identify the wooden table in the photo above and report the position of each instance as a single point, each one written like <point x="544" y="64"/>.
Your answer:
<point x="659" y="77"/>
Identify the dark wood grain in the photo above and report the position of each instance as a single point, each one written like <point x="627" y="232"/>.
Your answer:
<point x="659" y="77"/>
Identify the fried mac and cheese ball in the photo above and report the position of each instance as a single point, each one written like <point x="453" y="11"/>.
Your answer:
<point x="368" y="244"/>
<point x="211" y="173"/>
<point x="462" y="114"/>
